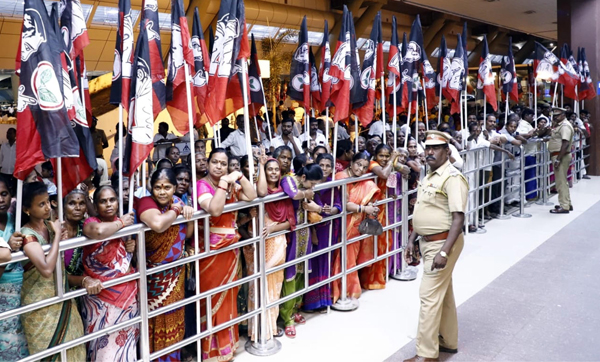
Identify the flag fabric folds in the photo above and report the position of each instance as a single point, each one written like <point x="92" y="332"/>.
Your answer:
<point x="180" y="53"/>
<point x="368" y="80"/>
<point x="227" y="49"/>
<point x="586" y="87"/>
<point x="444" y="70"/>
<point x="315" y="87"/>
<point x="457" y="76"/>
<point x="430" y="80"/>
<point x="545" y="64"/>
<point x="485" y="77"/>
<point x="508" y="74"/>
<point x="411" y="62"/>
<point x="256" y="90"/>
<point x="150" y="21"/>
<point x="44" y="128"/>
<point x="201" y="58"/>
<point x="568" y="76"/>
<point x="121" y="79"/>
<point x="140" y="136"/>
<point x="358" y="95"/>
<point x="299" y="88"/>
<point x="324" y="77"/>
<point x="340" y="71"/>
<point x="393" y="67"/>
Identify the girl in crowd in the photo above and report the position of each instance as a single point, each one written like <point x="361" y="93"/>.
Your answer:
<point x="234" y="164"/>
<point x="414" y="162"/>
<point x="165" y="243"/>
<point x="359" y="196"/>
<point x="279" y="216"/>
<point x="106" y="261"/>
<point x="318" y="151"/>
<point x="60" y="322"/>
<point x="298" y="187"/>
<point x="374" y="275"/>
<point x="283" y="155"/>
<point x="183" y="176"/>
<point x="13" y="345"/>
<point x="75" y="204"/>
<point x="201" y="165"/>
<point x="326" y="235"/>
<point x="214" y="191"/>
<point x="344" y="154"/>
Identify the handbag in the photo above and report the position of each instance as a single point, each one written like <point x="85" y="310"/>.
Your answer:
<point x="314" y="217"/>
<point x="370" y="226"/>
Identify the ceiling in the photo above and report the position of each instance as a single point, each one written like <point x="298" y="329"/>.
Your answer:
<point x="515" y="15"/>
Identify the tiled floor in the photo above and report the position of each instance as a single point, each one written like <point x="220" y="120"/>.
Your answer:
<point x="526" y="290"/>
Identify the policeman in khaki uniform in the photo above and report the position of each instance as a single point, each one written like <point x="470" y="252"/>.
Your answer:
<point x="438" y="219"/>
<point x="559" y="147"/>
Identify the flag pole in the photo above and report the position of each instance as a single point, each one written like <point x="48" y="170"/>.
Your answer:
<point x="425" y="108"/>
<point x="247" y="124"/>
<point x="395" y="115"/>
<point x="407" y="128"/>
<point x="120" y="145"/>
<point x="554" y="97"/>
<point x="356" y="133"/>
<point x="440" y="107"/>
<point x="327" y="127"/>
<point x="535" y="100"/>
<point x="19" y="204"/>
<point x="562" y="96"/>
<point x="485" y="107"/>
<point x="383" y="108"/>
<point x="505" y="112"/>
<point x="417" y="119"/>
<point x="59" y="190"/>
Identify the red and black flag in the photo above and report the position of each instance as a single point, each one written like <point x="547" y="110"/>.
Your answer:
<point x="430" y="80"/>
<point x="257" y="99"/>
<point x="121" y="79"/>
<point x="180" y="55"/>
<point x="358" y="95"/>
<point x="299" y="88"/>
<point x="456" y="79"/>
<point x="315" y="87"/>
<point x="586" y="88"/>
<point x="568" y="76"/>
<point x="324" y="77"/>
<point x="444" y="70"/>
<point x="545" y="64"/>
<point x="340" y="71"/>
<point x="508" y="74"/>
<point x="150" y="21"/>
<point x="394" y="75"/>
<point x="411" y="62"/>
<point x="140" y="136"/>
<point x="485" y="77"/>
<point x="368" y="79"/>
<point x="44" y="128"/>
<point x="228" y="49"/>
<point x="200" y="73"/>
<point x="465" y="51"/>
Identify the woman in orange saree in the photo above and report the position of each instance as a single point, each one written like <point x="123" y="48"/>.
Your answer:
<point x="373" y="276"/>
<point x="216" y="190"/>
<point x="358" y="197"/>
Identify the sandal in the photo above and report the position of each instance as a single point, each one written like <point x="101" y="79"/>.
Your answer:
<point x="299" y="319"/>
<point x="290" y="332"/>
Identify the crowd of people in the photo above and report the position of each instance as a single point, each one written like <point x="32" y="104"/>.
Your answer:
<point x="285" y="160"/>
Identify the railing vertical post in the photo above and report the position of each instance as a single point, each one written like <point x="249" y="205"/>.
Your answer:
<point x="502" y="216"/>
<point x="399" y="273"/>
<point x="263" y="346"/>
<point x="477" y="187"/>
<point x="522" y="213"/>
<point x="344" y="304"/>
<point x="143" y="298"/>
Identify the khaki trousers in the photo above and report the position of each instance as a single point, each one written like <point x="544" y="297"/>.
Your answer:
<point x="437" y="316"/>
<point x="562" y="185"/>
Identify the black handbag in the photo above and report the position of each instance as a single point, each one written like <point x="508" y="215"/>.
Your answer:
<point x="370" y="226"/>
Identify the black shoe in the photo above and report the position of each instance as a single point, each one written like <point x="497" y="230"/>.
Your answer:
<point x="558" y="207"/>
<point x="448" y="350"/>
<point x="586" y="177"/>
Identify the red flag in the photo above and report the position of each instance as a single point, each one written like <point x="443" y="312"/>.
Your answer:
<point x="340" y="71"/>
<point x="586" y="88"/>
<point x="324" y="76"/>
<point x="457" y="76"/>
<point x="121" y="79"/>
<point x="369" y="72"/>
<point x="393" y="67"/>
<point x="201" y="59"/>
<point x="508" y="74"/>
<point x="227" y="48"/>
<point x="545" y="64"/>
<point x="315" y="87"/>
<point x="567" y="75"/>
<point x="299" y="88"/>
<point x="485" y="77"/>
<point x="151" y="22"/>
<point x="180" y="54"/>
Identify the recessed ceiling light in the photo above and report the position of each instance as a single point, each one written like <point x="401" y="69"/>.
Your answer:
<point x="529" y="12"/>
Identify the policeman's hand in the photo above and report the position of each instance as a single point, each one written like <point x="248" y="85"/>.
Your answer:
<point x="439" y="262"/>
<point x="408" y="253"/>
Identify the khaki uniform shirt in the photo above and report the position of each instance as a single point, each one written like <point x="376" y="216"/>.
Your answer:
<point x="440" y="193"/>
<point x="564" y="131"/>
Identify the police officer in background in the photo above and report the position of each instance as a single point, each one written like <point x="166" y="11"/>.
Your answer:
<point x="438" y="219"/>
<point x="559" y="147"/>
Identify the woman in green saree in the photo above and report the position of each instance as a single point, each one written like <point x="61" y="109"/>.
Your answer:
<point x="60" y="322"/>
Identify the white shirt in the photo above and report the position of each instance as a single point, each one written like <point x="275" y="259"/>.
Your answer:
<point x="236" y="141"/>
<point x="319" y="140"/>
<point x="8" y="156"/>
<point x="458" y="161"/>
<point x="161" y="150"/>
<point x="342" y="133"/>
<point x="184" y="145"/>
<point x="525" y="127"/>
<point x="377" y="128"/>
<point x="278" y="141"/>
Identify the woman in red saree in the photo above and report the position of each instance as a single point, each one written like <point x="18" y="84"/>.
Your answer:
<point x="373" y="276"/>
<point x="358" y="195"/>
<point x="215" y="190"/>
<point x="165" y="244"/>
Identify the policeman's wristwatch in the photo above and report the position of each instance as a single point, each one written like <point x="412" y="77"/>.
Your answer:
<point x="444" y="254"/>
